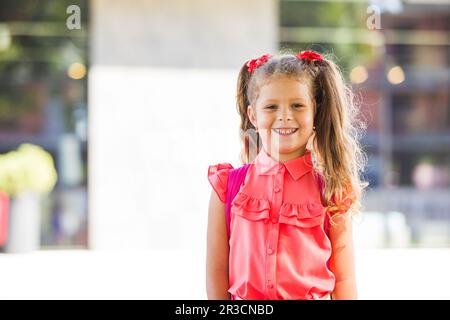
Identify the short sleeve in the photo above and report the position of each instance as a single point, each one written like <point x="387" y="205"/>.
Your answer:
<point x="218" y="178"/>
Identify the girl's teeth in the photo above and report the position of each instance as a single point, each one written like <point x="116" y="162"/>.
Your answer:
<point x="285" y="131"/>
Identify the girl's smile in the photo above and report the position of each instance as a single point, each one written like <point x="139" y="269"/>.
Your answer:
<point x="285" y="131"/>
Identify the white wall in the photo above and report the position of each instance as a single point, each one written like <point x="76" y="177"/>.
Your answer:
<point x="150" y="145"/>
<point x="181" y="33"/>
<point x="161" y="109"/>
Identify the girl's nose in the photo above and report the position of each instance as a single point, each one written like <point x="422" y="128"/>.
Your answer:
<point x="285" y="114"/>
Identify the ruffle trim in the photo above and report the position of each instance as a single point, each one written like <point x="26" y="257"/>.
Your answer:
<point x="341" y="206"/>
<point x="218" y="178"/>
<point x="251" y="208"/>
<point x="305" y="215"/>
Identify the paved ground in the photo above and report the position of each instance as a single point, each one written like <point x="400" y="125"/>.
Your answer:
<point x="82" y="274"/>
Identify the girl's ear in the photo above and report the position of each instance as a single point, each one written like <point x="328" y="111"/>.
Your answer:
<point x="252" y="115"/>
<point x="310" y="143"/>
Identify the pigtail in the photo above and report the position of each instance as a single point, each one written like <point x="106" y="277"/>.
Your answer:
<point x="248" y="135"/>
<point x="340" y="156"/>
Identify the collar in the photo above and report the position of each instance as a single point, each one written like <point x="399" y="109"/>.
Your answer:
<point x="297" y="167"/>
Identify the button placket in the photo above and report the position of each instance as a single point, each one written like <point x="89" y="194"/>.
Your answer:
<point x="272" y="241"/>
<point x="271" y="261"/>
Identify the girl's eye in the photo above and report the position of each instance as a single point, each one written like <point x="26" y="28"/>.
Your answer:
<point x="296" y="105"/>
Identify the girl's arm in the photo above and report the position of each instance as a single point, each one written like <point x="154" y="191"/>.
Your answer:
<point x="217" y="251"/>
<point x="342" y="259"/>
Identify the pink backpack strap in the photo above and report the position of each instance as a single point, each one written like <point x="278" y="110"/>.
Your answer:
<point x="235" y="180"/>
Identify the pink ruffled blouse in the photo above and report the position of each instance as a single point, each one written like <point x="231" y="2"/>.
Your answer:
<point x="278" y="246"/>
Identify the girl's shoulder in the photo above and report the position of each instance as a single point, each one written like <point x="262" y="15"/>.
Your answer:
<point x="218" y="178"/>
<point x="222" y="167"/>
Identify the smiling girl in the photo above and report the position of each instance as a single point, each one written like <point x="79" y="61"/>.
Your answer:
<point x="290" y="229"/>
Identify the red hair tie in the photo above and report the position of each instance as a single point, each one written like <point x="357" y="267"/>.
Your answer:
<point x="310" y="56"/>
<point x="256" y="63"/>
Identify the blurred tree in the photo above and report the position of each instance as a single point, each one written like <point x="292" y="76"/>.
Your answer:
<point x="317" y="19"/>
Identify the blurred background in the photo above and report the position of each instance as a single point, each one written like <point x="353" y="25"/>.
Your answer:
<point x="43" y="101"/>
<point x="111" y="112"/>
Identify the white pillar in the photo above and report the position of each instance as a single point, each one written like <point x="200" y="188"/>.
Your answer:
<point x="161" y="108"/>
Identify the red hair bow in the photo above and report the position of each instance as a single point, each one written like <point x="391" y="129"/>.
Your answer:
<point x="309" y="55"/>
<point x="256" y="63"/>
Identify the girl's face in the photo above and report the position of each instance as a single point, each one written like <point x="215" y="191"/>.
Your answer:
<point x="283" y="103"/>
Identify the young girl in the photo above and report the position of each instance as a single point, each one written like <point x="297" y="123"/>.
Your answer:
<point x="290" y="230"/>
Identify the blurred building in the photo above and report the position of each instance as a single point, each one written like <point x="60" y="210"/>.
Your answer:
<point x="396" y="54"/>
<point x="413" y="143"/>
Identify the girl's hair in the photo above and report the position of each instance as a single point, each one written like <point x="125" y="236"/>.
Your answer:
<point x="339" y="156"/>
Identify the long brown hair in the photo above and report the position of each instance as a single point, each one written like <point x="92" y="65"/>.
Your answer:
<point x="340" y="159"/>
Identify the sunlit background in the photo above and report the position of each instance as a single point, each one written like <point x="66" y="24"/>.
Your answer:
<point x="111" y="112"/>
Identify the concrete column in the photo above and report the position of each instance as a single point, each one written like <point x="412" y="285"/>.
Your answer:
<point x="162" y="84"/>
